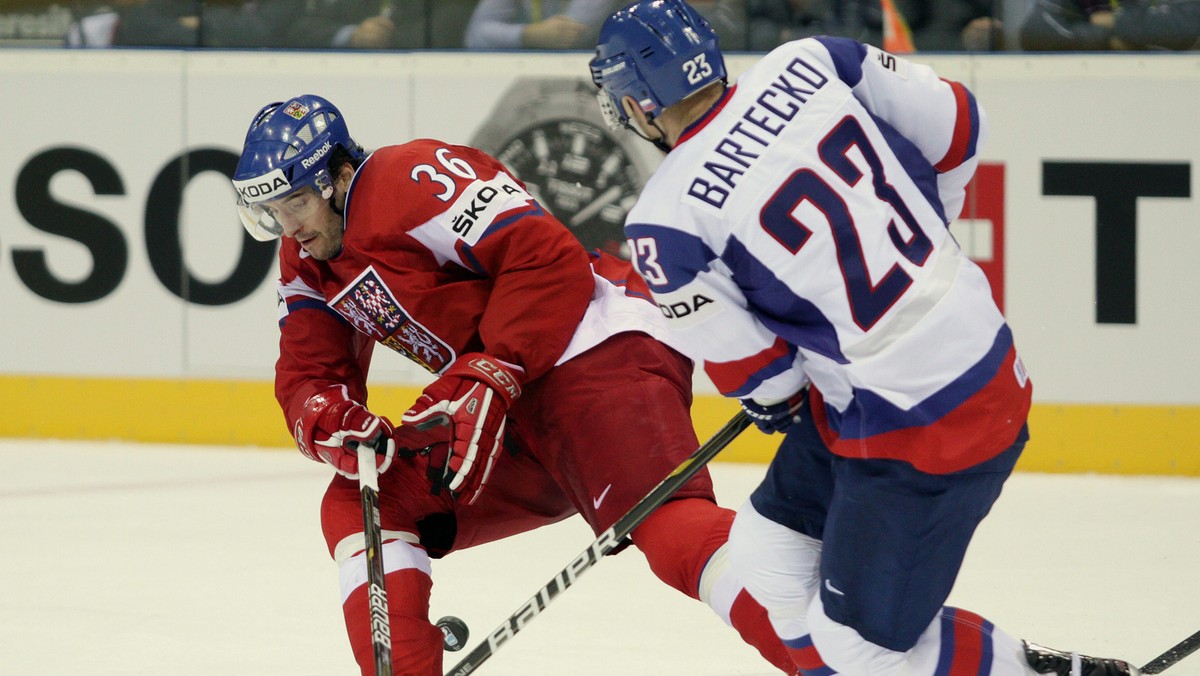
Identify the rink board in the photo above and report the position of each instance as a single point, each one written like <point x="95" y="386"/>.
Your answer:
<point x="132" y="307"/>
<point x="1108" y="439"/>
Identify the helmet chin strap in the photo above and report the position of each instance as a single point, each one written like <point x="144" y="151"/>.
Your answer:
<point x="329" y="193"/>
<point x="659" y="142"/>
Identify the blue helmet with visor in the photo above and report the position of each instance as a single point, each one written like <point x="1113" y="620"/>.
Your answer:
<point x="657" y="51"/>
<point x="287" y="148"/>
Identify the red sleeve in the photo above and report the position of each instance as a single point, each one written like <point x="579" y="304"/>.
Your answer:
<point x="543" y="284"/>
<point x="317" y="350"/>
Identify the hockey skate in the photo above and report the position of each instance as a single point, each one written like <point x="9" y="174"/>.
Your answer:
<point x="1049" y="661"/>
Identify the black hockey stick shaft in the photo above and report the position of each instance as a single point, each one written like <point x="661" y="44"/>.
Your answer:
<point x="381" y="631"/>
<point x="1168" y="659"/>
<point x="604" y="544"/>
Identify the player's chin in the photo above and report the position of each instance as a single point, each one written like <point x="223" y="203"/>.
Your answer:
<point x="319" y="249"/>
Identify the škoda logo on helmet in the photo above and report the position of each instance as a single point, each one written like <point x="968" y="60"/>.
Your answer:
<point x="250" y="191"/>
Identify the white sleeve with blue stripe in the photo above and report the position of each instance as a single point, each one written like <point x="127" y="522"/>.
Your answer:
<point x="707" y="309"/>
<point x="940" y="117"/>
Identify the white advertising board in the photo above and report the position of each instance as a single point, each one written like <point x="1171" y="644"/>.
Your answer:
<point x="114" y="204"/>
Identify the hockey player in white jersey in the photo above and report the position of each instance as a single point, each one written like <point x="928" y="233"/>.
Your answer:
<point x="796" y="236"/>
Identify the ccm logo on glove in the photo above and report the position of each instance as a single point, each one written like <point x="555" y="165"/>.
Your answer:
<point x="472" y="397"/>
<point x="498" y="375"/>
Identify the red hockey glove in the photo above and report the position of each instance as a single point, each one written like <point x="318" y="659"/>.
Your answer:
<point x="472" y="397"/>
<point x="331" y="427"/>
<point x="776" y="416"/>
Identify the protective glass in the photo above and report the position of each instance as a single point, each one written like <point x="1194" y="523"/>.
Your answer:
<point x="265" y="220"/>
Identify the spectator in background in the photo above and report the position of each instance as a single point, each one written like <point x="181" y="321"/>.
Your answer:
<point x="378" y="24"/>
<point x="1053" y="25"/>
<point x="771" y="23"/>
<point x="1158" y="24"/>
<point x="31" y="23"/>
<point x="728" y="19"/>
<point x="953" y="25"/>
<point x="536" y="24"/>
<point x="937" y="25"/>
<point x="307" y="24"/>
<point x="93" y="24"/>
<point x="353" y="24"/>
<point x="1095" y="25"/>
<point x="983" y="34"/>
<point x="189" y="23"/>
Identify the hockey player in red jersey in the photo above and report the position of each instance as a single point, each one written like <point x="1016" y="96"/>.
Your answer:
<point x="551" y="395"/>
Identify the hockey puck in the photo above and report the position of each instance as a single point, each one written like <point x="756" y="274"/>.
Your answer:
<point x="454" y="633"/>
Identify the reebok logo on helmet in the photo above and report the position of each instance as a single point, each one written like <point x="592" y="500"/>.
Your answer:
<point x="309" y="161"/>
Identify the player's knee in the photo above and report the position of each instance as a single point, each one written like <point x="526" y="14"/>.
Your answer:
<point x="341" y="512"/>
<point x="399" y="554"/>
<point x="679" y="538"/>
<point x="778" y="565"/>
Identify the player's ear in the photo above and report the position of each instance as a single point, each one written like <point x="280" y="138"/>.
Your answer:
<point x="342" y="177"/>
<point x="634" y="112"/>
<point x="343" y="173"/>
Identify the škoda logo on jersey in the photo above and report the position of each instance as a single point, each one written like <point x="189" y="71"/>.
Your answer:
<point x="371" y="307"/>
<point x="479" y="204"/>
<point x="686" y="309"/>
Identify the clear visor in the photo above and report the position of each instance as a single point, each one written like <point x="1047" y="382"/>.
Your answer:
<point x="608" y="110"/>
<point x="265" y="219"/>
<point x="258" y="221"/>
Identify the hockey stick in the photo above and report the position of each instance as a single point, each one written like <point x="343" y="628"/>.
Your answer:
<point x="604" y="544"/>
<point x="1168" y="659"/>
<point x="381" y="631"/>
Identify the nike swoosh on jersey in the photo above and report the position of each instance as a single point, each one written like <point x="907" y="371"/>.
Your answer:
<point x="596" y="501"/>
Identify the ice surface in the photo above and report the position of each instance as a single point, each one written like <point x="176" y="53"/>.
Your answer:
<point x="149" y="559"/>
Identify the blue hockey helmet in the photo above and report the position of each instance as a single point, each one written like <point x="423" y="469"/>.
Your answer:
<point x="287" y="148"/>
<point x="657" y="51"/>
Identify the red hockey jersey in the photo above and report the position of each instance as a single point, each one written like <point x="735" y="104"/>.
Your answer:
<point x="445" y="252"/>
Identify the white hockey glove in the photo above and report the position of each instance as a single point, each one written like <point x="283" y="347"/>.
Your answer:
<point x="778" y="415"/>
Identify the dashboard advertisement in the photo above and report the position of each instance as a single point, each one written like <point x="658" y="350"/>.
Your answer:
<point x="125" y="274"/>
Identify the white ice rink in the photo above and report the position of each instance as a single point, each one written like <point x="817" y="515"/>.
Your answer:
<point x="140" y="559"/>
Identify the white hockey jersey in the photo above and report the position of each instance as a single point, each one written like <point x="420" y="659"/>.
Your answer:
<point x="799" y="232"/>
